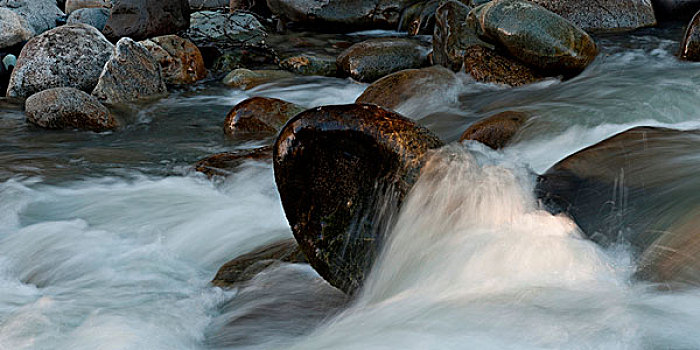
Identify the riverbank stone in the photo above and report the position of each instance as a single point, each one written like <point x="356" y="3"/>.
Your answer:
<point x="260" y="116"/>
<point x="142" y="19"/>
<point x="14" y="29"/>
<point x="96" y="17"/>
<point x="180" y="60"/>
<point x="225" y="30"/>
<point x="372" y="59"/>
<point x="62" y="108"/>
<point x="40" y="14"/>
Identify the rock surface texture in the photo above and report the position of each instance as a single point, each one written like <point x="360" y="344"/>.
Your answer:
<point x="72" y="55"/>
<point x="142" y="19"/>
<point x="14" y="29"/>
<point x="40" y="14"/>
<point x="96" y="17"/>
<point x="180" y="60"/>
<point x="260" y="115"/>
<point x="372" y="59"/>
<point x="61" y="108"/>
<point x="225" y="30"/>
<point x="497" y="130"/>
<point x="603" y="15"/>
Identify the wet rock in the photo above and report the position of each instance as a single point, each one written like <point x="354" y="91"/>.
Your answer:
<point x="339" y="15"/>
<point x="690" y="47"/>
<point x="342" y="172"/>
<point x="603" y="15"/>
<point x="247" y="79"/>
<point x="199" y="5"/>
<point x="488" y="66"/>
<point x="637" y="187"/>
<point x="180" y="60"/>
<point x="224" y="164"/>
<point x="535" y="36"/>
<point x="246" y="266"/>
<point x="225" y="30"/>
<point x="419" y="18"/>
<point x="61" y="108"/>
<point x="96" y="17"/>
<point x="676" y="9"/>
<point x="131" y="73"/>
<point x="452" y="36"/>
<point x="311" y="65"/>
<point x="395" y="89"/>
<point x="40" y="14"/>
<point x="260" y="115"/>
<point x="14" y="29"/>
<point x="497" y="130"/>
<point x="142" y="19"/>
<point x="372" y="59"/>
<point x="72" y="55"/>
<point x="74" y="5"/>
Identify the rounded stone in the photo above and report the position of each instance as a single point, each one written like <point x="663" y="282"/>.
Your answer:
<point x="74" y="5"/>
<point x="603" y="15"/>
<point x="372" y="59"/>
<point x="142" y="19"/>
<point x="260" y="116"/>
<point x="14" y="29"/>
<point x="497" y="130"/>
<point x="180" y="60"/>
<point x="96" y="17"/>
<point x="61" y="108"/>
<point x="311" y="65"/>
<point x="40" y="14"/>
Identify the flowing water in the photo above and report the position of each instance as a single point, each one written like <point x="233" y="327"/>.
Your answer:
<point x="108" y="241"/>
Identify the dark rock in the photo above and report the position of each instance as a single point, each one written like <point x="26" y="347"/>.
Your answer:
<point x="247" y="79"/>
<point x="180" y="60"/>
<point x="394" y="89"/>
<point x="372" y="59"/>
<point x="132" y="73"/>
<point x="640" y="188"/>
<point x="419" y="18"/>
<point x="452" y="36"/>
<point x="311" y="65"/>
<point x="72" y="55"/>
<point x="199" y="5"/>
<point x="225" y="30"/>
<point x="61" y="108"/>
<point x="535" y="36"/>
<point x="340" y="15"/>
<point x="41" y="14"/>
<point x="260" y="115"/>
<point x="96" y="17"/>
<point x="224" y="164"/>
<point x="488" y="66"/>
<point x="142" y="19"/>
<point x="14" y="29"/>
<point x="74" y="5"/>
<point x="690" y="47"/>
<point x="681" y="10"/>
<point x="342" y="172"/>
<point x="246" y="266"/>
<point x="497" y="130"/>
<point x="603" y="15"/>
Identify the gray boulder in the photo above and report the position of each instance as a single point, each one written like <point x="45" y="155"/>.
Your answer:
<point x="603" y="15"/>
<point x="131" y="73"/>
<point x="41" y="14"/>
<point x="225" y="30"/>
<point x="372" y="59"/>
<point x="63" y="108"/>
<point x="14" y="29"/>
<point x="74" y="5"/>
<point x="72" y="55"/>
<point x="96" y="17"/>
<point x="142" y="19"/>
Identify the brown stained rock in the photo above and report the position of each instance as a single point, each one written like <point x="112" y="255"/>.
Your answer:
<point x="224" y="164"/>
<point x="68" y="108"/>
<point x="260" y="116"/>
<point x="142" y="19"/>
<point x="180" y="60"/>
<point x="394" y="89"/>
<point x="488" y="66"/>
<point x="372" y="59"/>
<point x="690" y="47"/>
<point x="603" y="15"/>
<point x="72" y="55"/>
<point x="311" y="65"/>
<point x="497" y="130"/>
<point x="342" y="172"/>
<point x="130" y="74"/>
<point x="246" y="266"/>
<point x="535" y="36"/>
<point x="247" y="79"/>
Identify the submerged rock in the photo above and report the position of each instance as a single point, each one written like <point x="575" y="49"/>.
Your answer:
<point x="372" y="59"/>
<point x="342" y="172"/>
<point x="497" y="130"/>
<point x="311" y="65"/>
<point x="603" y="15"/>
<point x="180" y="60"/>
<point x="130" y="74"/>
<point x="14" y="29"/>
<point x="40" y="14"/>
<point x="61" y="108"/>
<point x="690" y="47"/>
<point x="142" y="19"/>
<point x="535" y="36"/>
<point x="72" y="55"/>
<point x="96" y="17"/>
<point x="488" y="66"/>
<point x="225" y="30"/>
<point x="224" y="164"/>
<point x="246" y="266"/>
<point x="637" y="187"/>
<point x="260" y="115"/>
<point x="247" y="79"/>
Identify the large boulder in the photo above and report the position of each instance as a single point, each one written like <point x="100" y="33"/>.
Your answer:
<point x="225" y="30"/>
<point x="497" y="130"/>
<point x="534" y="35"/>
<point x="72" y="55"/>
<point x="180" y="60"/>
<point x="489" y="66"/>
<point x="61" y="108"/>
<point x="131" y="73"/>
<point x="342" y="172"/>
<point x="638" y="188"/>
<point x="14" y="29"/>
<point x="339" y="15"/>
<point x="603" y="15"/>
<point x="260" y="116"/>
<point x="74" y="5"/>
<point x="93" y="16"/>
<point x="372" y="59"/>
<point x="676" y="9"/>
<point x="41" y="14"/>
<point x="142" y="19"/>
<point x="690" y="47"/>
